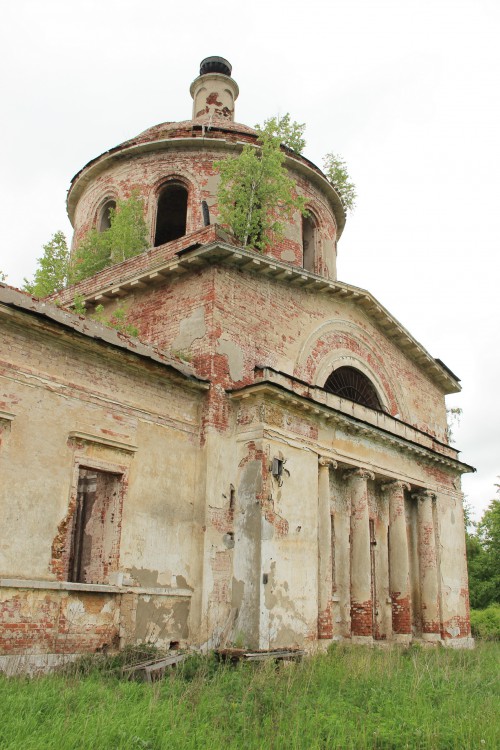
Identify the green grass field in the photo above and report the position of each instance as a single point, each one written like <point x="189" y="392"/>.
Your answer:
<point x="349" y="698"/>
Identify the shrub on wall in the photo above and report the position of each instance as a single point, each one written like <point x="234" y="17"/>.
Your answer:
<point x="127" y="236"/>
<point x="485" y="623"/>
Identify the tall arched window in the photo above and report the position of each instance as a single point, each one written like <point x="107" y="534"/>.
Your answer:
<point x="171" y="214"/>
<point x="347" y="382"/>
<point x="104" y="221"/>
<point x="308" y="243"/>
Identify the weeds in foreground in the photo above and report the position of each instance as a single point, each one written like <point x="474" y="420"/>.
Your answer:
<point x="349" y="698"/>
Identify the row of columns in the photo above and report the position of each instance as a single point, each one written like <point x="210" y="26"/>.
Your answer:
<point x="360" y="562"/>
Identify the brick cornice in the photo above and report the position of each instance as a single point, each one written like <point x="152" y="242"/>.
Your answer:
<point x="159" y="270"/>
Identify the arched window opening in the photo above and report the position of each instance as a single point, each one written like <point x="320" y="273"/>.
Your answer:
<point x="171" y="214"/>
<point x="308" y="243"/>
<point x="347" y="382"/>
<point x="206" y="213"/>
<point x="105" y="216"/>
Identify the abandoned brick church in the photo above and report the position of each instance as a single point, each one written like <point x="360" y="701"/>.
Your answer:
<point x="266" y="463"/>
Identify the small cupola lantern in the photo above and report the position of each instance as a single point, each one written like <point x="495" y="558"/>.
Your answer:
<point x="214" y="91"/>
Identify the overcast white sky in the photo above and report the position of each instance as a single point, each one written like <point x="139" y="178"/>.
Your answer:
<point x="406" y="91"/>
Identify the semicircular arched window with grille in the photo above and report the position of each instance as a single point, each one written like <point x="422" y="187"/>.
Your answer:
<point x="347" y="382"/>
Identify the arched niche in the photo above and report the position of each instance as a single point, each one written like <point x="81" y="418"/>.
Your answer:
<point x="171" y="213"/>
<point x="350" y="383"/>
<point x="309" y="242"/>
<point x="104" y="215"/>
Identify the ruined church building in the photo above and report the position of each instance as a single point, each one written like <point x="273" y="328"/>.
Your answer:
<point x="267" y="463"/>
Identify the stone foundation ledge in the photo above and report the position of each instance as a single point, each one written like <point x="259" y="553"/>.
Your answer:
<point x="95" y="588"/>
<point x="396" y="641"/>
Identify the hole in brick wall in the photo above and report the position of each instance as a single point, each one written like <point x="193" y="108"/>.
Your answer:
<point x="171" y="214"/>
<point x="96" y="527"/>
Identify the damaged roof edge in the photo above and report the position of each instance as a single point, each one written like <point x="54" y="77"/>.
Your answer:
<point x="19" y="300"/>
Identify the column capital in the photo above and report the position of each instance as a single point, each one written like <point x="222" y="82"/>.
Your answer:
<point x="395" y="485"/>
<point x="423" y="494"/>
<point x="325" y="461"/>
<point x="359" y="474"/>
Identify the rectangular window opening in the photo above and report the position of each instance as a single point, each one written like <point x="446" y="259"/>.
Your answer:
<point x="96" y="527"/>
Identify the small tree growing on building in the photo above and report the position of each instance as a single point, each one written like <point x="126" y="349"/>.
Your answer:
<point x="290" y="133"/>
<point x="127" y="236"/>
<point x="335" y="169"/>
<point x="256" y="193"/>
<point x="53" y="268"/>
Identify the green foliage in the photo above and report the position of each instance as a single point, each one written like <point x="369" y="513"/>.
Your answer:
<point x="485" y="623"/>
<point x="3" y="276"/>
<point x="349" y="699"/>
<point x="127" y="236"/>
<point x="290" y="133"/>
<point x="335" y="169"/>
<point x="52" y="272"/>
<point x="79" y="304"/>
<point x="182" y="354"/>
<point x="117" y="320"/>
<point x="483" y="557"/>
<point x="256" y="194"/>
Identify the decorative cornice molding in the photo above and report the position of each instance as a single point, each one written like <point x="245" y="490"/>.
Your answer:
<point x="101" y="440"/>
<point x="250" y="260"/>
<point x="353" y="424"/>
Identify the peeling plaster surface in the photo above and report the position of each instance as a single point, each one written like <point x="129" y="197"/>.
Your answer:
<point x="191" y="328"/>
<point x="235" y="358"/>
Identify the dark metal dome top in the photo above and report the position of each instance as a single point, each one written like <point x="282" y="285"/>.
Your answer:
<point x="215" y="65"/>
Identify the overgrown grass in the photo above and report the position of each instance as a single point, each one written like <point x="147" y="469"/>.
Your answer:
<point x="350" y="698"/>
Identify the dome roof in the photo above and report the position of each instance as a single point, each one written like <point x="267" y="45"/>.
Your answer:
<point x="213" y="93"/>
<point x="216" y="128"/>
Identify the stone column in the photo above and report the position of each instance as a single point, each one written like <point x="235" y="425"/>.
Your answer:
<point x="429" y="589"/>
<point x="361" y="579"/>
<point x="325" y="583"/>
<point x="399" y="562"/>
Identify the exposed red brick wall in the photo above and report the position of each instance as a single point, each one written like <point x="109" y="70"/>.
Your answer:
<point x="325" y="624"/>
<point x="44" y="623"/>
<point x="361" y="618"/>
<point x="401" y="614"/>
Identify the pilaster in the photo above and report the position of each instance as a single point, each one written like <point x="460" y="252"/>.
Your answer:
<point x="361" y="594"/>
<point x="399" y="565"/>
<point x="429" y="588"/>
<point x="325" y="582"/>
